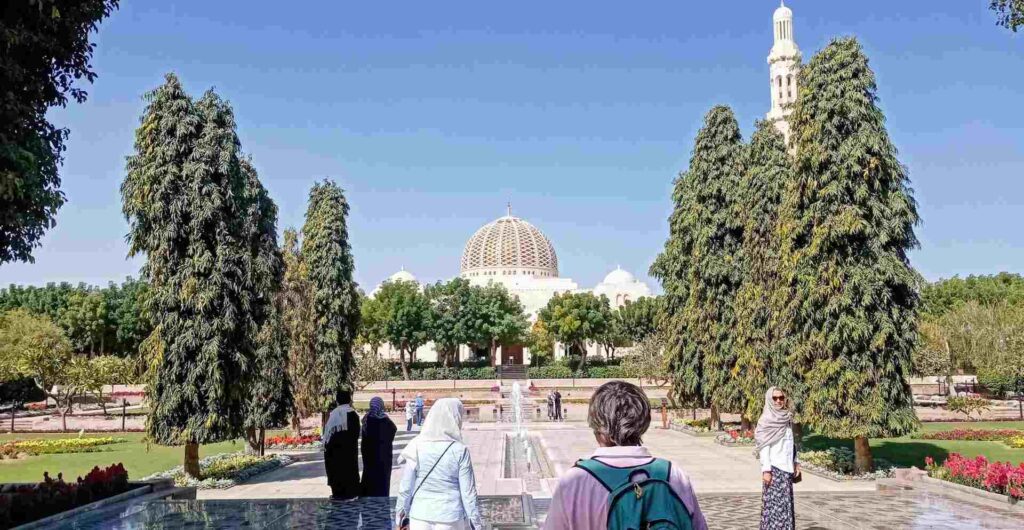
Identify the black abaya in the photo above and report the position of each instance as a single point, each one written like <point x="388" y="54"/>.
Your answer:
<point x="341" y="458"/>
<point x="377" y="449"/>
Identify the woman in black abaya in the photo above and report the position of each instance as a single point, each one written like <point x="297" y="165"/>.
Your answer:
<point x="378" y="443"/>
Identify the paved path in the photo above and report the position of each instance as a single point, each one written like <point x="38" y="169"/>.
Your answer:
<point x="711" y="467"/>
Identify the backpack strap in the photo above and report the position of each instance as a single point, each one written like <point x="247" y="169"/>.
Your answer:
<point x="612" y="477"/>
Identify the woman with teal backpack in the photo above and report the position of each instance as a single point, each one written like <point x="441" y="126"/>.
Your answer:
<point x="621" y="486"/>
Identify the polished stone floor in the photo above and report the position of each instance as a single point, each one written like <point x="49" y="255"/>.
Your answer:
<point x="861" y="510"/>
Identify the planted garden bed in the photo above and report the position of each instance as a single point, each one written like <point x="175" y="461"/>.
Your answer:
<point x="19" y="448"/>
<point x="224" y="470"/>
<point x="736" y="438"/>
<point x="1001" y="478"/>
<point x="836" y="463"/>
<point x="24" y="503"/>
<point x="286" y="442"/>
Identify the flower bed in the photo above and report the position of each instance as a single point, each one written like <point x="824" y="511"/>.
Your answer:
<point x="836" y="463"/>
<point x="224" y="470"/>
<point x="736" y="438"/>
<point x="1002" y="478"/>
<point x="974" y="435"/>
<point x="23" y="503"/>
<point x="62" y="445"/>
<point x="306" y="441"/>
<point x="1016" y="443"/>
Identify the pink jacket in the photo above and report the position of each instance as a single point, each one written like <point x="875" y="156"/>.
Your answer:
<point x="581" y="503"/>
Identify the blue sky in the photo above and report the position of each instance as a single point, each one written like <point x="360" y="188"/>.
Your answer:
<point x="432" y="115"/>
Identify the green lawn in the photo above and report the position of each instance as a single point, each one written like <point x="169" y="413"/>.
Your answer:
<point x="137" y="458"/>
<point x="908" y="451"/>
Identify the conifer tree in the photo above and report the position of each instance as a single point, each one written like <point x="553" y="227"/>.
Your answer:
<point x="847" y="224"/>
<point x="760" y="350"/>
<point x="270" y="394"/>
<point x="183" y="199"/>
<point x="334" y="294"/>
<point x="706" y="222"/>
<point x="297" y="317"/>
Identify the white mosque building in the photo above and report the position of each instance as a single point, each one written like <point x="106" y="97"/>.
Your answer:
<point x="512" y="252"/>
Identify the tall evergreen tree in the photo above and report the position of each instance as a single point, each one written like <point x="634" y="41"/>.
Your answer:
<point x="297" y="317"/>
<point x="760" y="324"/>
<point x="703" y="254"/>
<point x="847" y="224"/>
<point x="335" y="296"/>
<point x="270" y="394"/>
<point x="183" y="197"/>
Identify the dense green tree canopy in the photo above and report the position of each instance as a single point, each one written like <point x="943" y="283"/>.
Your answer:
<point x="639" y="319"/>
<point x="760" y="349"/>
<point x="499" y="318"/>
<point x="44" y="52"/>
<point x="407" y="318"/>
<point x="847" y="224"/>
<point x="185" y="200"/>
<point x="942" y="296"/>
<point x="453" y="320"/>
<point x="574" y="319"/>
<point x="297" y="318"/>
<point x="335" y="295"/>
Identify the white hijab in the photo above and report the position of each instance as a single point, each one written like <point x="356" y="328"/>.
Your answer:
<point x="443" y="424"/>
<point x="337" y="421"/>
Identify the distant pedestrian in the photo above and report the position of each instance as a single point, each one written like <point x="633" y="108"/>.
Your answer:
<point x="341" y="449"/>
<point x="377" y="448"/>
<point x="779" y="466"/>
<point x="558" y="405"/>
<point x="410" y="414"/>
<point x="419" y="409"/>
<point x="551" y="406"/>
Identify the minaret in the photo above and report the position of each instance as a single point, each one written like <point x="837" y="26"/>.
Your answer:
<point x="784" y="63"/>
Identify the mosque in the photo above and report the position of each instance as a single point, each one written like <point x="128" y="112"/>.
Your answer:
<point x="516" y="254"/>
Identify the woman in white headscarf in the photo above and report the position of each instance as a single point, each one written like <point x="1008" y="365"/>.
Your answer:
<point x="438" y="489"/>
<point x="779" y="467"/>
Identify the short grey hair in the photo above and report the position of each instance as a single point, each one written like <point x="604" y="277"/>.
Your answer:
<point x="621" y="412"/>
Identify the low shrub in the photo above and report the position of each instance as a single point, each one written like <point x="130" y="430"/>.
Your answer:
<point x="224" y="470"/>
<point x="1016" y="443"/>
<point x="605" y="372"/>
<point x="736" y="437"/>
<point x="60" y="445"/>
<point x="974" y="435"/>
<point x="31" y="502"/>
<point x="997" y="477"/>
<point x="551" y="371"/>
<point x="837" y="462"/>
<point x="968" y="405"/>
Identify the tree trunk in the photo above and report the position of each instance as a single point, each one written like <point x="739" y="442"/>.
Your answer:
<point x="744" y="423"/>
<point x="103" y="402"/>
<point x="252" y="446"/>
<point x="401" y="361"/>
<point x="494" y="352"/>
<point x="13" y="406"/>
<point x="862" y="460"/>
<point x="263" y="441"/>
<point x="296" y="423"/>
<point x="191" y="462"/>
<point x="715" y="422"/>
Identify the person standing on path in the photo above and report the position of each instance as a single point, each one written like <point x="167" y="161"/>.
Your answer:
<point x="341" y="449"/>
<point x="619" y="415"/>
<point x="558" y="405"/>
<point x="438" y="488"/>
<point x="378" y="444"/>
<point x="551" y="405"/>
<point x="410" y="414"/>
<point x="779" y="466"/>
<point x="419" y="409"/>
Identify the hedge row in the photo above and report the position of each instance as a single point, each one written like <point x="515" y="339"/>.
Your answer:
<point x="441" y="373"/>
<point x="561" y="371"/>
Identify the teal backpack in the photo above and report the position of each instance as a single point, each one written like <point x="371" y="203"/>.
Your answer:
<point x="640" y="497"/>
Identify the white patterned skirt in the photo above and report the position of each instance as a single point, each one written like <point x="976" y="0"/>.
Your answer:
<point x="777" y="512"/>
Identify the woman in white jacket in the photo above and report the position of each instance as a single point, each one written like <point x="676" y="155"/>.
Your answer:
<point x="777" y="452"/>
<point x="438" y="488"/>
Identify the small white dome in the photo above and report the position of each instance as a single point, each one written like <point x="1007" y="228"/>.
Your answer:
<point x="403" y="276"/>
<point x="619" y="277"/>
<point x="783" y="13"/>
